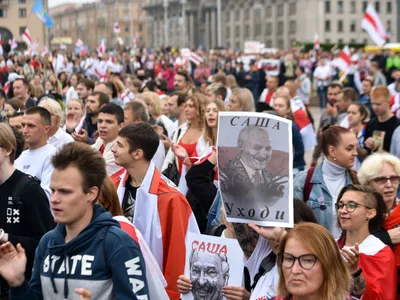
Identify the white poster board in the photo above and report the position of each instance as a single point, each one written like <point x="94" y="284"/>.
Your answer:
<point x="255" y="163"/>
<point x="270" y="66"/>
<point x="211" y="264"/>
<point x="252" y="47"/>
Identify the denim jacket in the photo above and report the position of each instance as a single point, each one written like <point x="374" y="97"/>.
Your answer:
<point x="214" y="214"/>
<point x="320" y="200"/>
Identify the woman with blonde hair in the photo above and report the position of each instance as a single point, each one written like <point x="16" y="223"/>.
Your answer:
<point x="57" y="136"/>
<point x="231" y="82"/>
<point x="311" y="266"/>
<point x="381" y="171"/>
<point x="241" y="99"/>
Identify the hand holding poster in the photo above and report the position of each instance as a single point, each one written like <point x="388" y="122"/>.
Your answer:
<point x="255" y="162"/>
<point x="211" y="264"/>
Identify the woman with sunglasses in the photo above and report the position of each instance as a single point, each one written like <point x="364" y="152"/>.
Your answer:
<point x="360" y="211"/>
<point x="381" y="171"/>
<point x="311" y="267"/>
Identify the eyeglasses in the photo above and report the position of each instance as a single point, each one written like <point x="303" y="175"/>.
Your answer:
<point x="350" y="206"/>
<point x="306" y="261"/>
<point x="383" y="180"/>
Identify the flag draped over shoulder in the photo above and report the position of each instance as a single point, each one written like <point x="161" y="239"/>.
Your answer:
<point x="42" y="14"/>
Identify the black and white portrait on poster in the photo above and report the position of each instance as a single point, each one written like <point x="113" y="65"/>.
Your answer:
<point x="255" y="163"/>
<point x="211" y="264"/>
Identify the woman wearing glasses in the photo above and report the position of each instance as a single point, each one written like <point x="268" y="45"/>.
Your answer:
<point x="381" y="171"/>
<point x="361" y="210"/>
<point x="311" y="266"/>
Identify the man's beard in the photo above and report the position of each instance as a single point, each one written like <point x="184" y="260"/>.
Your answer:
<point x="206" y="291"/>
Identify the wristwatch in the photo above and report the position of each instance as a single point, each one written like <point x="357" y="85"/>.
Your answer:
<point x="357" y="273"/>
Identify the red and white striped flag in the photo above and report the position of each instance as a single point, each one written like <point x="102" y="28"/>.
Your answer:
<point x="373" y="26"/>
<point x="195" y="58"/>
<point x="117" y="29"/>
<point x="316" y="42"/>
<point x="27" y="38"/>
<point x="79" y="43"/>
<point x="13" y="44"/>
<point x="44" y="51"/>
<point x="302" y="121"/>
<point x="6" y="87"/>
<point x="101" y="49"/>
<point x="343" y="62"/>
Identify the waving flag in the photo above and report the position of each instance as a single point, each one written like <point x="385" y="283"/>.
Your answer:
<point x="27" y="38"/>
<point x="373" y="26"/>
<point x="344" y="60"/>
<point x="195" y="58"/>
<point x="300" y="118"/>
<point x="316" y="42"/>
<point x="42" y="14"/>
<point x="13" y="44"/>
<point x="117" y="29"/>
<point x="101" y="49"/>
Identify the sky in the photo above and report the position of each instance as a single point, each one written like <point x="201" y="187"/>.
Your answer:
<point x="53" y="3"/>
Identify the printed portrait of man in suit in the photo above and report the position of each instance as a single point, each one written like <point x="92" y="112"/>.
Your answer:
<point x="246" y="179"/>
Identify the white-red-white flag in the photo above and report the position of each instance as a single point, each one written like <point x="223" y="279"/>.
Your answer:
<point x="316" y="42"/>
<point x="101" y="49"/>
<point x="117" y="29"/>
<point x="195" y="58"/>
<point x="13" y="44"/>
<point x="343" y="62"/>
<point x="1" y="46"/>
<point x="79" y="43"/>
<point x="44" y="51"/>
<point x="373" y="26"/>
<point x="27" y="38"/>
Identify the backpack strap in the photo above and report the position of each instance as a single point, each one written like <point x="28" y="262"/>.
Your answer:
<point x="308" y="185"/>
<point x="20" y="187"/>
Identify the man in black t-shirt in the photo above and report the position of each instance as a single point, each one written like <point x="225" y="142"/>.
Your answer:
<point x="24" y="208"/>
<point x="380" y="129"/>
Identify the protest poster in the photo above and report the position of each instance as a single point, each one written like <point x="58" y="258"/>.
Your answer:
<point x="270" y="66"/>
<point x="252" y="47"/>
<point x="211" y="264"/>
<point x="255" y="162"/>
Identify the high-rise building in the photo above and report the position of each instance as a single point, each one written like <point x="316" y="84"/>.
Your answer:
<point x="276" y="23"/>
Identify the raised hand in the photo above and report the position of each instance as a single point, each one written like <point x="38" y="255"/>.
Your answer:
<point x="12" y="264"/>
<point x="179" y="151"/>
<point x="351" y="256"/>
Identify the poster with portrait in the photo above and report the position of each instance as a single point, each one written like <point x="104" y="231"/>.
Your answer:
<point x="255" y="163"/>
<point x="211" y="264"/>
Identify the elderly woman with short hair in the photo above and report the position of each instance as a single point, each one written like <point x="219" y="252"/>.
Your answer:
<point x="381" y="171"/>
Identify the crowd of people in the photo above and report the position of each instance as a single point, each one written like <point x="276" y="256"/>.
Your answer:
<point x="100" y="179"/>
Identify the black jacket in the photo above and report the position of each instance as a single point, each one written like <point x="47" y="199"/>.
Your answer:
<point x="24" y="215"/>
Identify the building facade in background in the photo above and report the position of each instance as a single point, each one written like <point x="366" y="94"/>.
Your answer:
<point x="276" y="23"/>
<point x="15" y="16"/>
<point x="93" y="22"/>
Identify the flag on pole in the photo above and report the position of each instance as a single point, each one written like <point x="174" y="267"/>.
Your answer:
<point x="101" y="49"/>
<point x="343" y="62"/>
<point x="316" y="42"/>
<point x="13" y="44"/>
<point x="373" y="26"/>
<point x="27" y="38"/>
<point x="39" y="10"/>
<point x="117" y="29"/>
<point x="196" y="59"/>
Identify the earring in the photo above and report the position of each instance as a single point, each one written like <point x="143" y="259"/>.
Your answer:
<point x="367" y="219"/>
<point x="334" y="158"/>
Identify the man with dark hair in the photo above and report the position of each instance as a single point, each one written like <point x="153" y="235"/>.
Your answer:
<point x="136" y="112"/>
<point x="176" y="102"/>
<point x="181" y="82"/>
<point x="15" y="120"/>
<point x="94" y="103"/>
<point x="84" y="88"/>
<point x="87" y="248"/>
<point x="266" y="100"/>
<point x="365" y="98"/>
<point x="109" y="122"/>
<point x="21" y="91"/>
<point x="35" y="161"/>
<point x="24" y="209"/>
<point x="108" y="89"/>
<point x="152" y="202"/>
<point x="221" y="93"/>
<point x="349" y="96"/>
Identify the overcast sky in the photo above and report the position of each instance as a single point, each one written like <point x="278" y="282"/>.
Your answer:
<point x="58" y="2"/>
